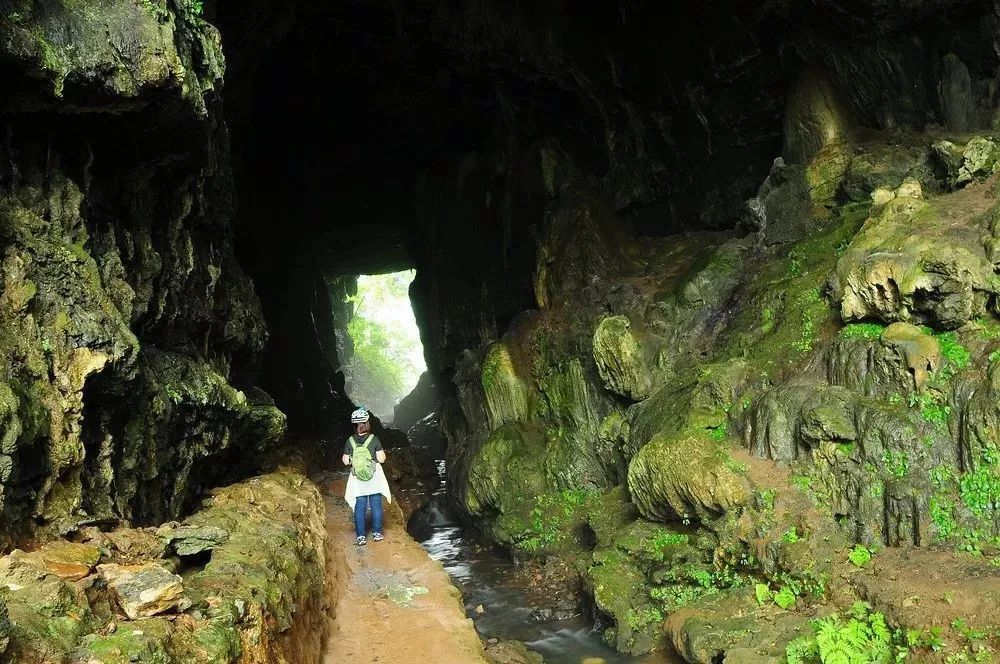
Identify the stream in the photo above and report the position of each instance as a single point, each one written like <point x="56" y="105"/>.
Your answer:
<point x="483" y="575"/>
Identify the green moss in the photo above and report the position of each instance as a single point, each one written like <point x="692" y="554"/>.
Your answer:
<point x="619" y="358"/>
<point x="684" y="477"/>
<point x="872" y="331"/>
<point x="506" y="393"/>
<point x="137" y="641"/>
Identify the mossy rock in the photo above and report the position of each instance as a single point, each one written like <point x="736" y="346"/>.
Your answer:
<point x="918" y="261"/>
<point x="506" y="473"/>
<point x="730" y="626"/>
<point x="977" y="159"/>
<point x="686" y="476"/>
<point x="507" y="393"/>
<point x="144" y="641"/>
<point x="610" y="513"/>
<point x="886" y="164"/>
<point x="619" y="589"/>
<point x="620" y="359"/>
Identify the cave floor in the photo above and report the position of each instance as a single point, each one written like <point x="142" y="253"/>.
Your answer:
<point x="390" y="601"/>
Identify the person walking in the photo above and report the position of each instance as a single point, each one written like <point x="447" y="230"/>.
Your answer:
<point x="367" y="483"/>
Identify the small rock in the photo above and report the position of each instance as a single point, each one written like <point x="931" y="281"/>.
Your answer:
<point x="68" y="560"/>
<point x="191" y="540"/>
<point x="480" y="610"/>
<point x="143" y="590"/>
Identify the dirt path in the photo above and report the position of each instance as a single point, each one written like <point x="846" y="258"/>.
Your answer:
<point x="392" y="602"/>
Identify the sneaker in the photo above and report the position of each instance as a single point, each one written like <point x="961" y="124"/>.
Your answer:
<point x="362" y="541"/>
<point x="378" y="537"/>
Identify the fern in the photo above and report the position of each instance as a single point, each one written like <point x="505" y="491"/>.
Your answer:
<point x="863" y="639"/>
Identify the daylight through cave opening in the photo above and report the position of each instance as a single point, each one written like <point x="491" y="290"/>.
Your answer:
<point x="386" y="357"/>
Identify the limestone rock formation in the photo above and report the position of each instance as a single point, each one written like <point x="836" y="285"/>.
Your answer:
<point x="143" y="590"/>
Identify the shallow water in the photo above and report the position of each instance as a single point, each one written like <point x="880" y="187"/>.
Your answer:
<point x="482" y="572"/>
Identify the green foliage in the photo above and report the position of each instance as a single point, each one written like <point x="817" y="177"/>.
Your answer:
<point x="862" y="331"/>
<point x="791" y="536"/>
<point x="767" y="320"/>
<point x="387" y="353"/>
<point x="197" y="7"/>
<point x="762" y="592"/>
<point x="550" y="518"/>
<point x="794" y="263"/>
<point x="718" y="432"/>
<point x="896" y="464"/>
<point x="638" y="619"/>
<point x="932" y="407"/>
<point x="979" y="488"/>
<point x="953" y="352"/>
<point x="808" y="337"/>
<point x="172" y="393"/>
<point x="863" y="639"/>
<point x="929" y="638"/>
<point x="989" y="329"/>
<point x="784" y="597"/>
<point x="860" y="556"/>
<point x="675" y="596"/>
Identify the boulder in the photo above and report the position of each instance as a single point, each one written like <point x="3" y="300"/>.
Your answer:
<point x="511" y="652"/>
<point x="620" y="360"/>
<point x="191" y="540"/>
<point x="68" y="560"/>
<point x="920" y="262"/>
<point x="507" y="394"/>
<point x="978" y="159"/>
<point x="686" y="476"/>
<point x="143" y="590"/>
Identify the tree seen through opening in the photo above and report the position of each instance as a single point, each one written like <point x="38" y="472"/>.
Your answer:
<point x="388" y="357"/>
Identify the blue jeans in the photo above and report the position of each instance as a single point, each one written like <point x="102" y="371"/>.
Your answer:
<point x="360" y="505"/>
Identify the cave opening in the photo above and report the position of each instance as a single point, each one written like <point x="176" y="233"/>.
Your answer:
<point x="380" y="350"/>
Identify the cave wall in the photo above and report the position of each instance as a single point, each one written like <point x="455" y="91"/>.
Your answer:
<point x="129" y="326"/>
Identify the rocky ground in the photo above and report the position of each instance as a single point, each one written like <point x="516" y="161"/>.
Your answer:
<point x="241" y="580"/>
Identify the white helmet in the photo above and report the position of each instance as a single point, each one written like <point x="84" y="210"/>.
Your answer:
<point x="359" y="416"/>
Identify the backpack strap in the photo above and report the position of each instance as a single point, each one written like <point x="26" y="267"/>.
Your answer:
<point x="354" y="443"/>
<point x="369" y="438"/>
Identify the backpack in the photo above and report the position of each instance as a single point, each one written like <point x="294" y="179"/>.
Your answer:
<point x="361" y="459"/>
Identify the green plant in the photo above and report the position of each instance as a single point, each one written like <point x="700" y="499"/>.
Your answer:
<point x="808" y="336"/>
<point x="784" y="597"/>
<point x="549" y="519"/>
<point x="896" y="464"/>
<point x="863" y="639"/>
<point x="172" y="394"/>
<point x="718" y="432"/>
<point x="637" y="620"/>
<point x="859" y="556"/>
<point x="675" y="596"/>
<point x="794" y="263"/>
<point x="196" y="6"/>
<point x="762" y="592"/>
<point x="928" y="637"/>
<point x="954" y="353"/>
<point x="791" y="536"/>
<point x="767" y="320"/>
<point x="932" y="409"/>
<point x="862" y="331"/>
